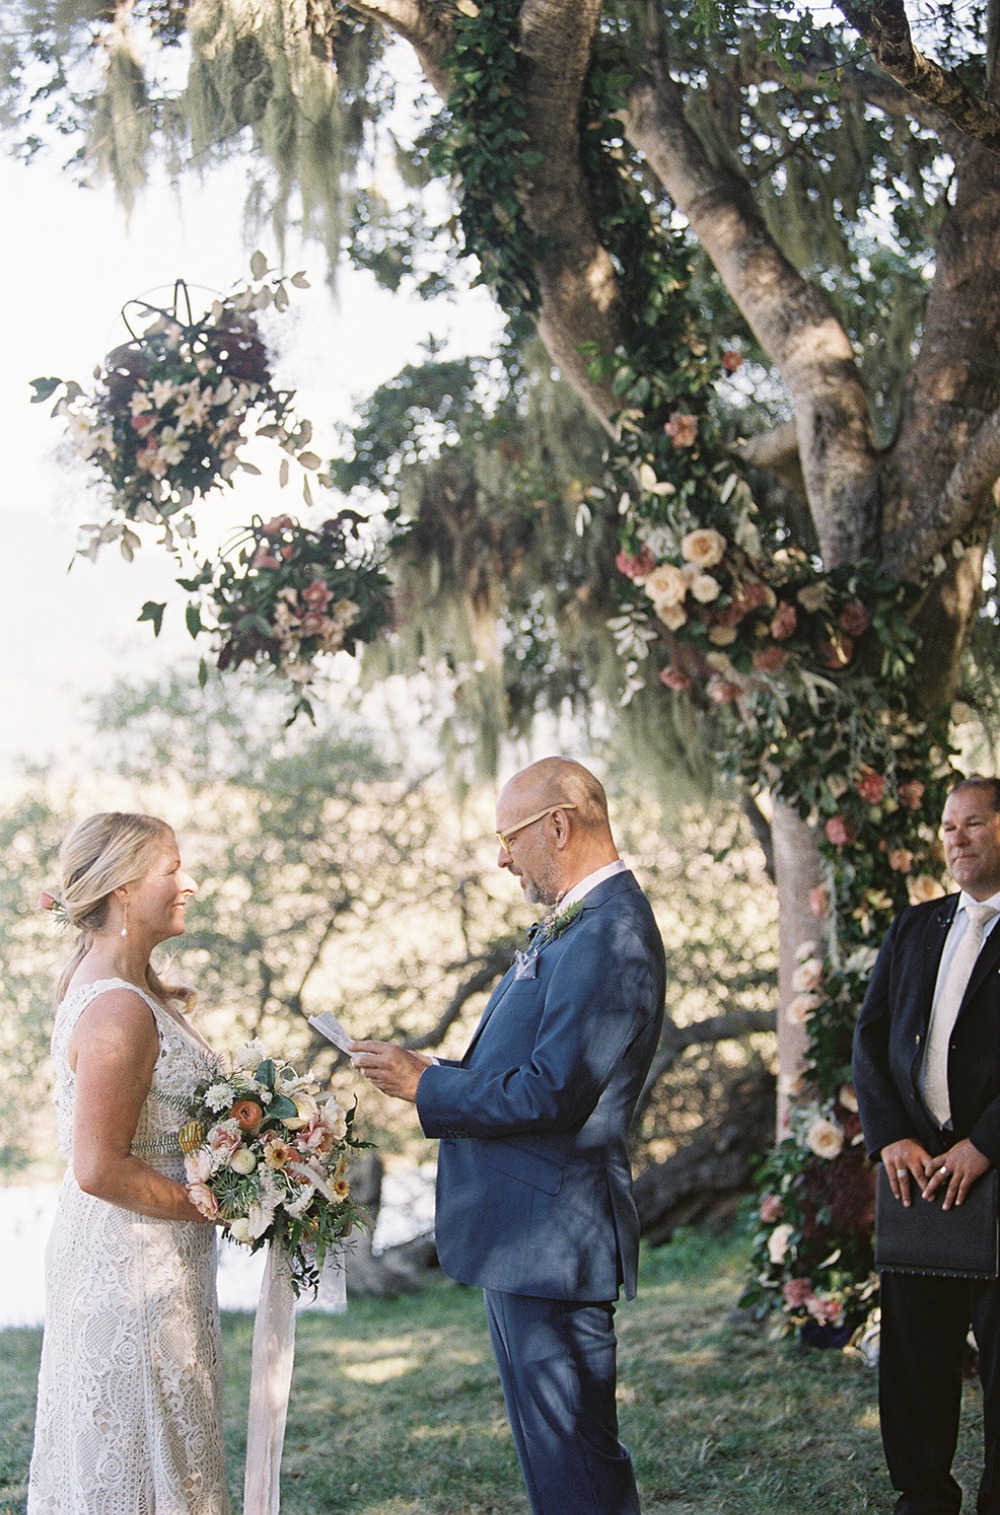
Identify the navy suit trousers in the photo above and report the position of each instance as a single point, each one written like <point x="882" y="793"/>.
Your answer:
<point x="557" y="1362"/>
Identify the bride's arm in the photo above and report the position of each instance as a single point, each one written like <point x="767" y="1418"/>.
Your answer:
<point x="112" y="1050"/>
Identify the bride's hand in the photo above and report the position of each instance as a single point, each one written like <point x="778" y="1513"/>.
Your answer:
<point x="390" y="1068"/>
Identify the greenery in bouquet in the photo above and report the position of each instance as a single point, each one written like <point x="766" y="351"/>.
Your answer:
<point x="172" y="410"/>
<point x="267" y="1156"/>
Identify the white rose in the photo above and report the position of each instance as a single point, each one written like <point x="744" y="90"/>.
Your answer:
<point x="777" y="1243"/>
<point x="824" y="1138"/>
<point x="705" y="589"/>
<point x="808" y="975"/>
<point x="705" y="547"/>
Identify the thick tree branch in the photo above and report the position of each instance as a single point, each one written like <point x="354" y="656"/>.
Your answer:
<point x="424" y="25"/>
<point x="705" y="1033"/>
<point x="791" y="318"/>
<point x="885" y="30"/>
<point x="959" y="509"/>
<point x="494" y="963"/>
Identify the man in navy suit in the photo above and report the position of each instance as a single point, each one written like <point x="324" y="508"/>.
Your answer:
<point x="927" y="1074"/>
<point x="534" y="1189"/>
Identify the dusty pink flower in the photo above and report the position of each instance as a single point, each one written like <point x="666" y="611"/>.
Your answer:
<point x="819" y="902"/>
<point x="838" y="830"/>
<point x="770" y="659"/>
<point x="900" y="859"/>
<point x="796" y="1292"/>
<point x="771" y="1209"/>
<point x="682" y="429"/>
<point x="786" y="618"/>
<point x="870" y="786"/>
<point x="732" y="360"/>
<point x="143" y="424"/>
<point x="836" y="650"/>
<point x="223" y="1143"/>
<point x="721" y="690"/>
<point x="827" y="1310"/>
<point x="674" y="678"/>
<point x="264" y="558"/>
<point x="314" y="624"/>
<point x="636" y="565"/>
<point x="277" y="525"/>
<point x="854" y="619"/>
<point x="203" y="1199"/>
<point x="911" y="794"/>
<point x="923" y="888"/>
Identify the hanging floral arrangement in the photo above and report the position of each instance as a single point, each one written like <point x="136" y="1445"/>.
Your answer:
<point x="172" y="411"/>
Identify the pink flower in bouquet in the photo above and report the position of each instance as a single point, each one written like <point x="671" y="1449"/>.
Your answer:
<point x="317" y="595"/>
<point x="277" y="525"/>
<point x="674" y="678"/>
<point x="854" y="619"/>
<point x="144" y="423"/>
<point x="682" y="429"/>
<point x="635" y="565"/>
<point x="900" y="859"/>
<point x="826" y="1309"/>
<point x="223" y="1143"/>
<point x="203" y="1199"/>
<point x="314" y="624"/>
<point x="819" y="902"/>
<point x="732" y="360"/>
<point x="785" y="620"/>
<point x="796" y="1292"/>
<point x="770" y="659"/>
<point x="771" y="1209"/>
<point x="264" y="558"/>
<point x="838" y="831"/>
<point x="870" y="786"/>
<point x="911" y="794"/>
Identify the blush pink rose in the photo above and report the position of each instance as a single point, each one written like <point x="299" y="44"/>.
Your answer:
<point x="786" y="618"/>
<point x="770" y="659"/>
<point x="771" y="1209"/>
<point x="900" y="859"/>
<point x="854" y="619"/>
<point x="838" y="830"/>
<point x="732" y="360"/>
<point x="870" y="786"/>
<point x="674" y="678"/>
<point x="819" y="902"/>
<point x="637" y="565"/>
<point x="911" y="794"/>
<point x="203" y="1199"/>
<point x="796" y="1292"/>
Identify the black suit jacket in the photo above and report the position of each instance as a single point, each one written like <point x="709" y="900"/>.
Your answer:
<point x="891" y="1036"/>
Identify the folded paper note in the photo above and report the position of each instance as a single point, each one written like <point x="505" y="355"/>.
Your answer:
<point x="329" y="1026"/>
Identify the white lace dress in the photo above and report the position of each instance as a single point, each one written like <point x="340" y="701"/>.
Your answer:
<point x="129" y="1393"/>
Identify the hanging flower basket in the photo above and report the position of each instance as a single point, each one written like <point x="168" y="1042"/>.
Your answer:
<point x="287" y="595"/>
<point x="172" y="409"/>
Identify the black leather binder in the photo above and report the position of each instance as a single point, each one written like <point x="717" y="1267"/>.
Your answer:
<point x="958" y="1243"/>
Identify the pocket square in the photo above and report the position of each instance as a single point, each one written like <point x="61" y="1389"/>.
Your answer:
<point x="526" y="964"/>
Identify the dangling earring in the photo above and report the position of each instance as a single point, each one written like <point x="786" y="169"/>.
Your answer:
<point x="124" y="930"/>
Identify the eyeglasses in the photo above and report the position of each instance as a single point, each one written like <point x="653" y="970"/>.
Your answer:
<point x="503" y="837"/>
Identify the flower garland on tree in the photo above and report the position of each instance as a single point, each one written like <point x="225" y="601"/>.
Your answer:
<point x="810" y="668"/>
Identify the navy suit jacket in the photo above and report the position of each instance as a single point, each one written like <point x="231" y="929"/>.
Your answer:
<point x="891" y="1037"/>
<point x="534" y="1187"/>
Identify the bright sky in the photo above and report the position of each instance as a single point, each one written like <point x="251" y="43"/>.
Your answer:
<point x="68" y="264"/>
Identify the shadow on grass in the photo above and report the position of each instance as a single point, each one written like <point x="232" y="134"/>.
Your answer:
<point x="396" y="1408"/>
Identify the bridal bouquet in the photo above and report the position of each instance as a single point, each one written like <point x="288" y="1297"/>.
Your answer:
<point x="265" y="1155"/>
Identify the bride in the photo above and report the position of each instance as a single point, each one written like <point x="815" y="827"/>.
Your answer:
<point x="129" y="1389"/>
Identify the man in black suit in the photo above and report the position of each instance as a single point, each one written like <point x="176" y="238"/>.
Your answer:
<point x="927" y="1074"/>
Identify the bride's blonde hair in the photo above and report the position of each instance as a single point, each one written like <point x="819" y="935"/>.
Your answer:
<point x="102" y="854"/>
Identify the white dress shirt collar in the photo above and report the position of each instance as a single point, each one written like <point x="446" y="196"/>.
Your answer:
<point x="592" y="880"/>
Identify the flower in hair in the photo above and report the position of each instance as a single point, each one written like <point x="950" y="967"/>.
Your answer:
<point x="47" y="901"/>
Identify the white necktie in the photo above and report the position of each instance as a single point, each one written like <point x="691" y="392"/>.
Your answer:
<point x="947" y="1008"/>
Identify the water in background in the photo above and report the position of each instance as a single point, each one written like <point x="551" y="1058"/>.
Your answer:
<point x="26" y="1213"/>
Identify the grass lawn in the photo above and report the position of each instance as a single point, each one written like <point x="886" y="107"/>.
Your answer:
<point x="396" y="1409"/>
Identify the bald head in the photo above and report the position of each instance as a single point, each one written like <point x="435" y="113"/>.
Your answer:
<point x="570" y="836"/>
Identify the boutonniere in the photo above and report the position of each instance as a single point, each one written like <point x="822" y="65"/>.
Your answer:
<point x="554" y="925"/>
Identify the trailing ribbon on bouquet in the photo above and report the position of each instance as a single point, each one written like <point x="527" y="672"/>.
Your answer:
<point x="270" y="1384"/>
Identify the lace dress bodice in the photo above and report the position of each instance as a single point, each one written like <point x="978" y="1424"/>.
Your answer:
<point x="130" y="1382"/>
